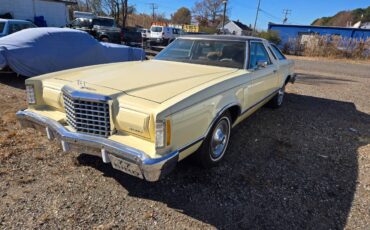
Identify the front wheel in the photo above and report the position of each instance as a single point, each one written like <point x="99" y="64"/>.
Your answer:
<point x="278" y="99"/>
<point x="214" y="146"/>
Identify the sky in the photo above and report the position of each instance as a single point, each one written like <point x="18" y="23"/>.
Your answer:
<point x="302" y="11"/>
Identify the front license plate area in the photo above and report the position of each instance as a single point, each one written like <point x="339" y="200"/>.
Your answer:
<point x="125" y="166"/>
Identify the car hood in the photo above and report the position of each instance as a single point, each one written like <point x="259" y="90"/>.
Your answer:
<point x="153" y="80"/>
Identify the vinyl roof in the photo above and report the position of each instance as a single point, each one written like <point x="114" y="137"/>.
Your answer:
<point x="222" y="37"/>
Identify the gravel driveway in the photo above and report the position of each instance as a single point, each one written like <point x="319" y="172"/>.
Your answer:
<point x="306" y="165"/>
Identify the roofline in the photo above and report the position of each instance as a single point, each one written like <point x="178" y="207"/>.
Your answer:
<point x="14" y="20"/>
<point x="67" y="2"/>
<point x="235" y="23"/>
<point x="319" y="27"/>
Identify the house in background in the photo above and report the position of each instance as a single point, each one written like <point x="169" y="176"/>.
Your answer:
<point x="235" y="28"/>
<point x="54" y="12"/>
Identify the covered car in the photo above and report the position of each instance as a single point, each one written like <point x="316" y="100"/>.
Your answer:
<point x="37" y="51"/>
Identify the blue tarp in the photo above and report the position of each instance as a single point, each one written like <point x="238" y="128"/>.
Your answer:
<point x="37" y="51"/>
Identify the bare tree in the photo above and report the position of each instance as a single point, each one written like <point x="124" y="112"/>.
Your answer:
<point x="208" y="12"/>
<point x="118" y="9"/>
<point x="124" y="12"/>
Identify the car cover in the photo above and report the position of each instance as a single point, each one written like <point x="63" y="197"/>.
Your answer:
<point x="37" y="51"/>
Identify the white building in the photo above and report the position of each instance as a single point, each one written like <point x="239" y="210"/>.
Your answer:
<point x="236" y="28"/>
<point x="55" y="12"/>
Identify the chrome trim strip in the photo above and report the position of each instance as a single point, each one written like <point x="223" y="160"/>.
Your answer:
<point x="260" y="101"/>
<point x="221" y="111"/>
<point x="191" y="144"/>
<point x="85" y="95"/>
<point x="219" y="114"/>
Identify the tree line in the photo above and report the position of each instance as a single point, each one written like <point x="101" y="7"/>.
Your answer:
<point x="206" y="13"/>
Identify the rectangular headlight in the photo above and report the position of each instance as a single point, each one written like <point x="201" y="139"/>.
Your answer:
<point x="162" y="133"/>
<point x="31" y="97"/>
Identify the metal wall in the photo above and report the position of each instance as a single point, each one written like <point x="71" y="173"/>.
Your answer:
<point x="55" y="13"/>
<point x="287" y="32"/>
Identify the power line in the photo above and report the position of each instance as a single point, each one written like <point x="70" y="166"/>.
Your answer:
<point x="270" y="15"/>
<point x="286" y="12"/>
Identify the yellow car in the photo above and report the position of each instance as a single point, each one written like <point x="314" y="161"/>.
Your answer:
<point x="145" y="116"/>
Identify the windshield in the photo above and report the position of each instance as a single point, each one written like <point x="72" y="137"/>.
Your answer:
<point x="103" y="22"/>
<point x="156" y="29"/>
<point x="215" y="53"/>
<point x="2" y="25"/>
<point x="81" y="22"/>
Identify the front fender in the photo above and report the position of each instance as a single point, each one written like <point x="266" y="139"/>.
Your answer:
<point x="195" y="121"/>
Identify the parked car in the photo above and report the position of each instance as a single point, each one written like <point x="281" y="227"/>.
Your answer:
<point x="163" y="35"/>
<point x="144" y="117"/>
<point x="102" y="28"/>
<point x="145" y="34"/>
<point x="9" y="26"/>
<point x="38" y="51"/>
<point x="131" y="36"/>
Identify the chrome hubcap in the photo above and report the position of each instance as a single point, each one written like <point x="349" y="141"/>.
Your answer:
<point x="281" y="95"/>
<point x="220" y="138"/>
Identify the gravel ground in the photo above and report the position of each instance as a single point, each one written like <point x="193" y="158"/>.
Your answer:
<point x="306" y="165"/>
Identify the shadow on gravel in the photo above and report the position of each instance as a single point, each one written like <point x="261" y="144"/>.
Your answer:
<point x="11" y="79"/>
<point x="309" y="79"/>
<point x="295" y="167"/>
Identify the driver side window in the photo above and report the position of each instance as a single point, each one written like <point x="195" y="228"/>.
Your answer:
<point x="257" y="53"/>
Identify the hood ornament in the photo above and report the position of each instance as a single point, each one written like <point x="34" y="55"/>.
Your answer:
<point x="82" y="85"/>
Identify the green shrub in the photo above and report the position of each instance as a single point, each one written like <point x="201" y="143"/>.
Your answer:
<point x="272" y="36"/>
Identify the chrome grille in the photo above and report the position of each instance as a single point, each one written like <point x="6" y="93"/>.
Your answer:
<point x="87" y="116"/>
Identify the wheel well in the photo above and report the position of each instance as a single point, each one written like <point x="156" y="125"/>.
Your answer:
<point x="234" y="112"/>
<point x="104" y="36"/>
<point x="287" y="80"/>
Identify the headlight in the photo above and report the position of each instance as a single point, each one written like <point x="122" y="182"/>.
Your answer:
<point x="162" y="133"/>
<point x="31" y="97"/>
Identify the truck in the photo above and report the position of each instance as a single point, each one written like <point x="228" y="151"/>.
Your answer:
<point x="102" y="28"/>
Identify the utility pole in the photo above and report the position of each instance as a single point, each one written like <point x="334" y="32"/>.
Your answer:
<point x="154" y="7"/>
<point x="258" y="10"/>
<point x="286" y="12"/>
<point x="224" y="19"/>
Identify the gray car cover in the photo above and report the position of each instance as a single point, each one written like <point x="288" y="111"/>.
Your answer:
<point x="37" y="51"/>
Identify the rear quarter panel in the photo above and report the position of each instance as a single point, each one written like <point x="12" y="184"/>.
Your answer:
<point x="286" y="68"/>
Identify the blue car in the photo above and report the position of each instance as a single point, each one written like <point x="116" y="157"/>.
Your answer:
<point x="9" y="26"/>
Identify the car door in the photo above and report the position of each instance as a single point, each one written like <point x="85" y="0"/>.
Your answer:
<point x="263" y="74"/>
<point x="285" y="66"/>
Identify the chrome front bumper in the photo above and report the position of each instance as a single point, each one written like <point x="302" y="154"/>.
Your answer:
<point x="124" y="158"/>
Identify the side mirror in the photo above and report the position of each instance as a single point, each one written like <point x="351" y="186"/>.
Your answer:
<point x="261" y="64"/>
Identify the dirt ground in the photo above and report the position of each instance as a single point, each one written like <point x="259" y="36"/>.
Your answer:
<point x="306" y="165"/>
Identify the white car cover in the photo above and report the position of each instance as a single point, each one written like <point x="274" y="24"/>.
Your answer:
<point x="37" y="51"/>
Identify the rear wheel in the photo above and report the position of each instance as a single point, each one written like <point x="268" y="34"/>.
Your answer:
<point x="278" y="99"/>
<point x="214" y="146"/>
<point x="105" y="39"/>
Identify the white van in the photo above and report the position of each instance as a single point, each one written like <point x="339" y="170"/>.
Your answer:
<point x="163" y="35"/>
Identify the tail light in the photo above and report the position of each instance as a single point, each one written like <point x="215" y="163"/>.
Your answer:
<point x="122" y="35"/>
